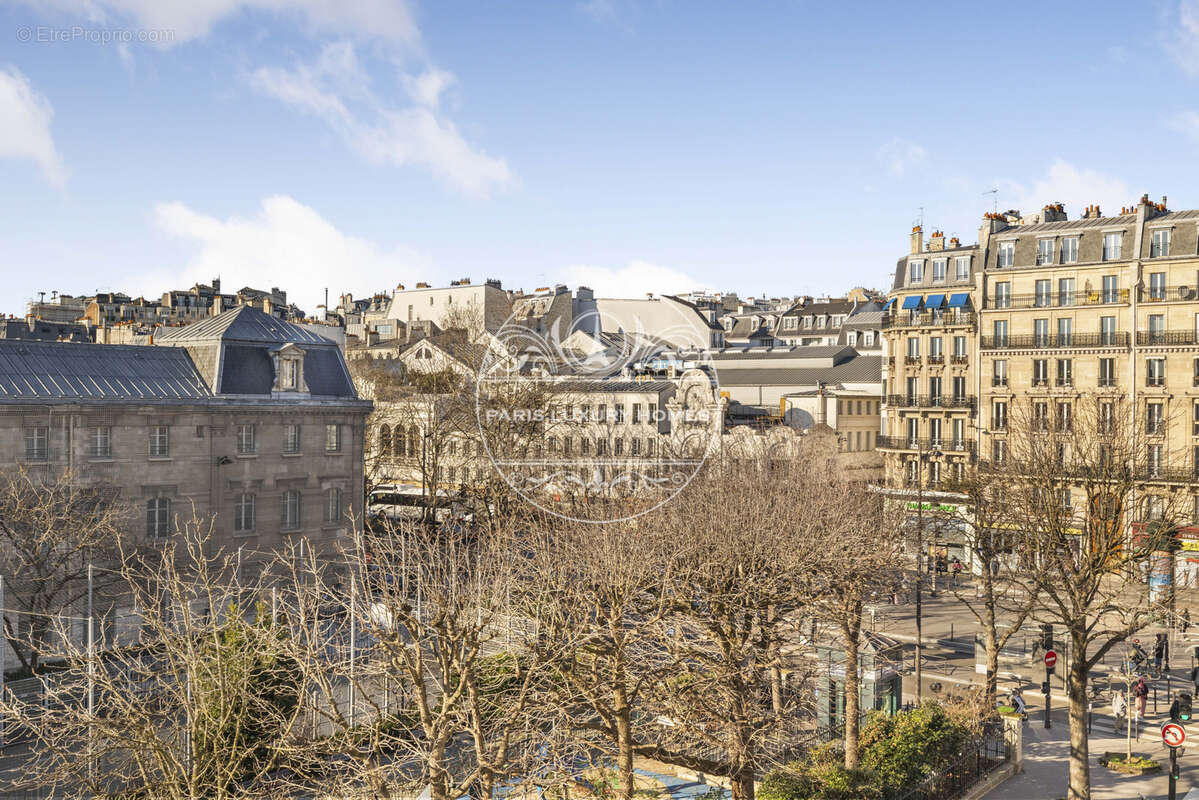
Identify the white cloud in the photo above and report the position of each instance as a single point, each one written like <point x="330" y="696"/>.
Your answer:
<point x="187" y="20"/>
<point x="635" y="280"/>
<point x="427" y="87"/>
<point x="336" y="89"/>
<point x="286" y="244"/>
<point x="25" y="132"/>
<point x="899" y="155"/>
<point x="1184" y="42"/>
<point x="1065" y="183"/>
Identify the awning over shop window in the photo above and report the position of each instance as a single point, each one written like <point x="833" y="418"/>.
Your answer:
<point x="911" y="302"/>
<point x="934" y="301"/>
<point x="960" y="300"/>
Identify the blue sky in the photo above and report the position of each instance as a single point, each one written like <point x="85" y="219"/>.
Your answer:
<point x="633" y="146"/>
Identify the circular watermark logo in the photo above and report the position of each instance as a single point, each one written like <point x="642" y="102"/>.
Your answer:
<point x="601" y="416"/>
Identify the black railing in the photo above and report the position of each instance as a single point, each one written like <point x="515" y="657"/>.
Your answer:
<point x="1150" y="338"/>
<point x="1148" y="472"/>
<point x="1164" y="294"/>
<point x="962" y="359"/>
<point x="1034" y="341"/>
<point x="1058" y="299"/>
<point x="946" y="444"/>
<point x="931" y="401"/>
<point x="928" y="319"/>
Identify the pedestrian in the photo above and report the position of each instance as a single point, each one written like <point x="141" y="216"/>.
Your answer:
<point x="1119" y="706"/>
<point x="1186" y="619"/>
<point x="957" y="570"/>
<point x="1159" y="654"/>
<point x="1140" y="693"/>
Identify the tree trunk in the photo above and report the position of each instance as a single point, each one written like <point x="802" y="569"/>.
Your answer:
<point x="624" y="748"/>
<point x="1080" y="768"/>
<point x="742" y="783"/>
<point x="851" y="626"/>
<point x="991" y="642"/>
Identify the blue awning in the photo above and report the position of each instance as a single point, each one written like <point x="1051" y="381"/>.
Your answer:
<point x="959" y="300"/>
<point x="890" y="303"/>
<point x="911" y="301"/>
<point x="934" y="301"/>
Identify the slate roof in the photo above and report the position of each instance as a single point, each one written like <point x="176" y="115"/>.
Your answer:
<point x="243" y="324"/>
<point x="863" y="369"/>
<point x="612" y="386"/>
<point x="74" y="371"/>
<point x="794" y="351"/>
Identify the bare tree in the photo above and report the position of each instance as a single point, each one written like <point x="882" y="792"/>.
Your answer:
<point x="742" y="551"/>
<point x="51" y="528"/>
<point x="858" y="531"/>
<point x="998" y="605"/>
<point x="1087" y="502"/>
<point x="425" y="684"/>
<point x="200" y="699"/>
<point x="595" y="596"/>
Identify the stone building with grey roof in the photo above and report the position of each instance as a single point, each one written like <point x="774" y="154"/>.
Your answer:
<point x="244" y="417"/>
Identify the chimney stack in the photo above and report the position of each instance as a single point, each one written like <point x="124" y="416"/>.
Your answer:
<point x="936" y="242"/>
<point x="954" y="243"/>
<point x="917" y="239"/>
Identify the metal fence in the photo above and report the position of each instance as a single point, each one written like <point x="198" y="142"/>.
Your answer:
<point x="965" y="772"/>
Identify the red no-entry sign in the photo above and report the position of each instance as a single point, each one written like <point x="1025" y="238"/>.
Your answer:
<point x="1050" y="658"/>
<point x="1173" y="734"/>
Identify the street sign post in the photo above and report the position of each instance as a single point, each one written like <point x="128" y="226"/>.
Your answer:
<point x="1050" y="660"/>
<point x="1173" y="735"/>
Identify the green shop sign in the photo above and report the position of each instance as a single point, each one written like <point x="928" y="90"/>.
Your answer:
<point x="942" y="507"/>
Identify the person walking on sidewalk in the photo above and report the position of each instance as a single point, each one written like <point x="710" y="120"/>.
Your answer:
<point x="1119" y="706"/>
<point x="957" y="570"/>
<point x="1186" y="619"/>
<point x="1140" y="694"/>
<point x="1159" y="654"/>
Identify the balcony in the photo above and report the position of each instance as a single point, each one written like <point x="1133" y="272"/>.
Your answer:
<point x="911" y="360"/>
<point x="945" y="444"/>
<point x="1151" y="338"/>
<point x="998" y="381"/>
<point x="1049" y="341"/>
<point x="928" y="319"/>
<point x="936" y="360"/>
<point x="1059" y="300"/>
<point x="930" y="401"/>
<point x="1155" y="472"/>
<point x="959" y="359"/>
<point x="1165" y="294"/>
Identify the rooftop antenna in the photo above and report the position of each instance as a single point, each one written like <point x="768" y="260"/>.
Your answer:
<point x="920" y="217"/>
<point x="994" y="199"/>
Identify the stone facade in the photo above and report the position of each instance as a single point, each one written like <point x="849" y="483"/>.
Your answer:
<point x="250" y="420"/>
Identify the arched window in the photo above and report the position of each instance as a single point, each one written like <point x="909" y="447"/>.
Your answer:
<point x="385" y="439"/>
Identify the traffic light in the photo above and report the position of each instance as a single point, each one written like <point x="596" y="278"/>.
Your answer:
<point x="1046" y="636"/>
<point x="1184" y="707"/>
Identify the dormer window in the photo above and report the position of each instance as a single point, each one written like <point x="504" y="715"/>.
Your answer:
<point x="289" y="368"/>
<point x="289" y="381"/>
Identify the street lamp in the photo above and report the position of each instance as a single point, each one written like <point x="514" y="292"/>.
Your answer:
<point x="920" y="562"/>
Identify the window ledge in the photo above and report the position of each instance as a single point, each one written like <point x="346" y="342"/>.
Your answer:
<point x="335" y="452"/>
<point x="244" y="534"/>
<point x="100" y="459"/>
<point x="160" y="458"/>
<point x="247" y="455"/>
<point x="292" y="455"/>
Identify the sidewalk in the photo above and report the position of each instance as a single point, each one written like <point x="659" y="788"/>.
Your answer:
<point x="1046" y="754"/>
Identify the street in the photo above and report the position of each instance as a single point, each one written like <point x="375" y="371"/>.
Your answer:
<point x="949" y="668"/>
